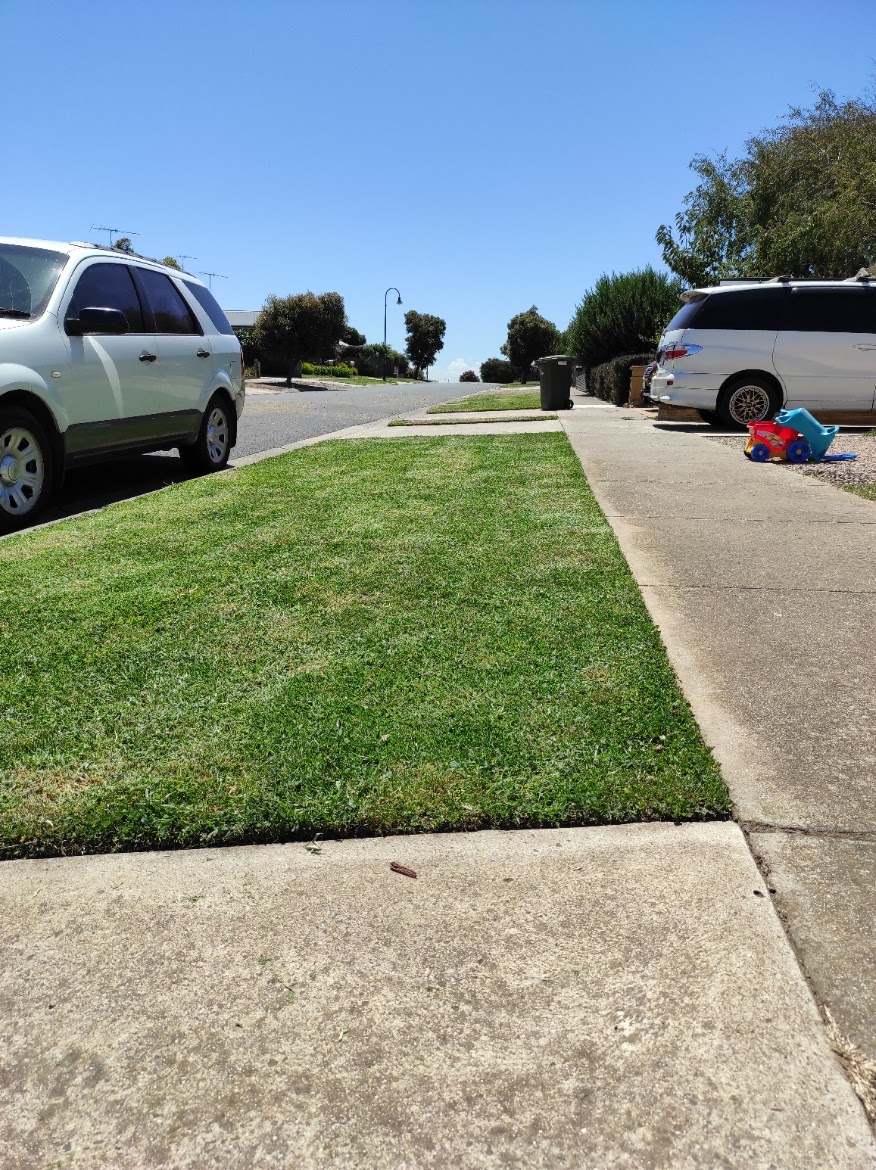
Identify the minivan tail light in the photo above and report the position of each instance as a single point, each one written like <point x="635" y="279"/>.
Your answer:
<point x="680" y="351"/>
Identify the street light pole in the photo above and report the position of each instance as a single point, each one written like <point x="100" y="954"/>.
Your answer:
<point x="398" y="302"/>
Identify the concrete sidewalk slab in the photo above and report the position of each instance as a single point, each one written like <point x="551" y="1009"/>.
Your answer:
<point x="825" y="892"/>
<point x="781" y="685"/>
<point x="619" y="997"/>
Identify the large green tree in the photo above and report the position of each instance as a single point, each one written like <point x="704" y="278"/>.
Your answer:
<point x="530" y="336"/>
<point x="304" y="327"/>
<point x="425" y="338"/>
<point x="800" y="201"/>
<point x="622" y="314"/>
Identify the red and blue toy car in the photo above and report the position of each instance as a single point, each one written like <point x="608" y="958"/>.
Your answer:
<point x="770" y="440"/>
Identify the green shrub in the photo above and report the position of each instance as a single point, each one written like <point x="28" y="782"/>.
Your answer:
<point x="623" y="313"/>
<point x="497" y="370"/>
<point x="327" y="371"/>
<point x="611" y="380"/>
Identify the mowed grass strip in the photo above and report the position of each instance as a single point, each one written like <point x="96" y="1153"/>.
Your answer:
<point x="497" y="400"/>
<point x="359" y="637"/>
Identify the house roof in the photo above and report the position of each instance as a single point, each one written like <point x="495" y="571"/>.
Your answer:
<point x="243" y="318"/>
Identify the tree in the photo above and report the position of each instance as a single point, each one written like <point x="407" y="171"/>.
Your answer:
<point x="353" y="336"/>
<point x="425" y="338"/>
<point x="530" y="336"/>
<point x="497" y="370"/>
<point x="469" y="376"/>
<point x="800" y="201"/>
<point x="622" y="314"/>
<point x="123" y="244"/>
<point x="171" y="262"/>
<point x="305" y="327"/>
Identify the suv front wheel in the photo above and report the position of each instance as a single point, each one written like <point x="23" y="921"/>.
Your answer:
<point x="26" y="468"/>
<point x="211" y="449"/>
<point x="747" y="400"/>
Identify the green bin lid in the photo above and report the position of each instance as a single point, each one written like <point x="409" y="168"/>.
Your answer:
<point x="559" y="359"/>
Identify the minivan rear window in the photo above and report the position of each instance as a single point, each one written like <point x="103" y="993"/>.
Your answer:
<point x="751" y="308"/>
<point x="841" y="310"/>
<point x="684" y="316"/>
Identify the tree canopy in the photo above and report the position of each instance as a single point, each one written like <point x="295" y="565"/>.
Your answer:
<point x="530" y="336"/>
<point x="425" y="338"/>
<point x="496" y="370"/>
<point x="800" y="201"/>
<point x="304" y="327"/>
<point x="622" y="314"/>
<point x="352" y="336"/>
<point x="171" y="262"/>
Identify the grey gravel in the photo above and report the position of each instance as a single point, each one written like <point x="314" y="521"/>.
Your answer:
<point x="853" y="473"/>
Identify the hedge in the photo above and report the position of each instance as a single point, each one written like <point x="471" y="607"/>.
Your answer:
<point x="611" y="380"/>
<point x="327" y="371"/>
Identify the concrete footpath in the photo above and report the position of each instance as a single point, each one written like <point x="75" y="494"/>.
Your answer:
<point x="763" y="584"/>
<point x="620" y="998"/>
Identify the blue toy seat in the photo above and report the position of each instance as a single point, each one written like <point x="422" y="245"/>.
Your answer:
<point x="819" y="437"/>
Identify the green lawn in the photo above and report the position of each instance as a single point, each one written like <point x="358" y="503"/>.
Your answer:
<point x="359" y="637"/>
<point x="495" y="400"/>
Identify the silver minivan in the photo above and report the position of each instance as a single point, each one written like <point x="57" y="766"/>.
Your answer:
<point x="739" y="353"/>
<point x="104" y="353"/>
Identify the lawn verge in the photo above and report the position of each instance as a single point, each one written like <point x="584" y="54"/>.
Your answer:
<point x="359" y="637"/>
<point x="447" y="422"/>
<point x="494" y="400"/>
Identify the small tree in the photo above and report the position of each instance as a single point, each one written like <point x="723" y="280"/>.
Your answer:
<point x="497" y="370"/>
<point x="123" y="244"/>
<point x="353" y="336"/>
<point x="300" y="328"/>
<point x="469" y="376"/>
<point x="622" y="314"/>
<point x="171" y="262"/>
<point x="425" y="338"/>
<point x="530" y="336"/>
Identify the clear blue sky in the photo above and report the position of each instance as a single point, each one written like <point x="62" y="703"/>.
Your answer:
<point x="482" y="155"/>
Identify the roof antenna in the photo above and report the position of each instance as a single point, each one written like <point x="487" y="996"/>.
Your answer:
<point x="210" y="276"/>
<point x="182" y="256"/>
<point x="113" y="231"/>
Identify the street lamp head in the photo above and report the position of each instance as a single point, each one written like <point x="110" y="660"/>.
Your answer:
<point x="399" y="301"/>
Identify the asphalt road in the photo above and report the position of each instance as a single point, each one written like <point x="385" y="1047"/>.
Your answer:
<point x="269" y="420"/>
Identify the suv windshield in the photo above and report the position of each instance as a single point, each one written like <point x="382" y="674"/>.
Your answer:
<point x="27" y="277"/>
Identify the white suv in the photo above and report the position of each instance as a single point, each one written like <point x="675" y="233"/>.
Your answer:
<point x="104" y="353"/>
<point x="739" y="353"/>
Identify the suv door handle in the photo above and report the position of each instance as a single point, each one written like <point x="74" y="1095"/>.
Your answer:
<point x="864" y="347"/>
<point x="146" y="356"/>
<point x="203" y="353"/>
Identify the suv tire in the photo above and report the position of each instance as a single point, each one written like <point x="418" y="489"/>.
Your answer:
<point x="747" y="400"/>
<point x="710" y="417"/>
<point x="27" y="468"/>
<point x="212" y="448"/>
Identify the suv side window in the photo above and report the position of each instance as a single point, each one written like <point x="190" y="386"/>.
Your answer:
<point x="171" y="313"/>
<point x="755" y="308"/>
<point x="108" y="286"/>
<point x="210" y="306"/>
<point x="842" y="310"/>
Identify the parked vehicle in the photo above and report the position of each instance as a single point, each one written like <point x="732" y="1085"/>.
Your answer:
<point x="104" y="353"/>
<point x="739" y="353"/>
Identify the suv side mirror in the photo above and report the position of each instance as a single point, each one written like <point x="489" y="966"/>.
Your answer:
<point x="94" y="320"/>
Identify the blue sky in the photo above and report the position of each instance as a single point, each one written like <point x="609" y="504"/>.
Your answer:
<point x="483" y="156"/>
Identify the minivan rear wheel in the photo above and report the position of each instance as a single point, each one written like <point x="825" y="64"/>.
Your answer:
<point x="747" y="400"/>
<point x="27" y="469"/>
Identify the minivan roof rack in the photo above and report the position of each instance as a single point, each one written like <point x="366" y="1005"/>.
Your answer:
<point x="863" y="274"/>
<point x="783" y="279"/>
